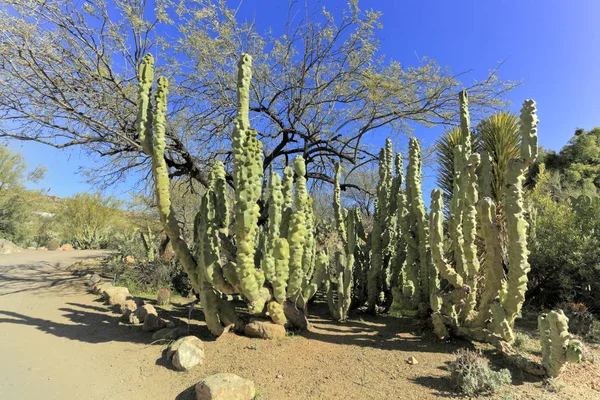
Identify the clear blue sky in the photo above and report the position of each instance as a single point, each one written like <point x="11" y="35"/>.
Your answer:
<point x="550" y="45"/>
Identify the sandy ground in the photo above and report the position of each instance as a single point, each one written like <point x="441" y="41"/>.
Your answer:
<point x="59" y="342"/>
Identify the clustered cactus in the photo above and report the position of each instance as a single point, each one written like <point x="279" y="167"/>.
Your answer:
<point x="501" y="298"/>
<point x="277" y="266"/>
<point x="558" y="345"/>
<point x="267" y="265"/>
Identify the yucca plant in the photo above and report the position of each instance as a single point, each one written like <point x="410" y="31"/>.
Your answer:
<point x="498" y="135"/>
<point x="444" y="149"/>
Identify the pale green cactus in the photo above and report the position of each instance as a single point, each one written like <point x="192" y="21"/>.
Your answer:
<point x="148" y="243"/>
<point x="144" y="115"/>
<point x="501" y="299"/>
<point x="558" y="345"/>
<point x="247" y="178"/>
<point x="469" y="235"/>
<point x="281" y="254"/>
<point x="287" y="190"/>
<point x="273" y="233"/>
<point x="436" y="230"/>
<point x="257" y="266"/>
<point x="297" y="232"/>
<point x="337" y="203"/>
<point x="419" y="277"/>
<point x="161" y="180"/>
<point x="320" y="275"/>
<point x="384" y="229"/>
<point x="492" y="264"/>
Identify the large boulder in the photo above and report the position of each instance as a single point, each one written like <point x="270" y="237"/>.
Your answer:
<point x="225" y="386"/>
<point x="8" y="247"/>
<point x="53" y="244"/>
<point x="264" y="330"/>
<point x="186" y="353"/>
<point x="175" y="345"/>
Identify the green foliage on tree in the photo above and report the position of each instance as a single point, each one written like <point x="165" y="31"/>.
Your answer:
<point x="564" y="258"/>
<point x="88" y="220"/>
<point x="17" y="205"/>
<point x="579" y="163"/>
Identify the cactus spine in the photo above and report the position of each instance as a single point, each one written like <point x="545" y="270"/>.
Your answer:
<point x="558" y="345"/>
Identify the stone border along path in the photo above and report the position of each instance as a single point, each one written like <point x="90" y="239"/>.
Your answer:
<point x="56" y="359"/>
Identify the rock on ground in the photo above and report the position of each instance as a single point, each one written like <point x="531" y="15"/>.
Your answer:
<point x="153" y="323"/>
<point x="100" y="287"/>
<point x="128" y="305"/>
<point x="93" y="280"/>
<point x="225" y="386"/>
<point x="145" y="310"/>
<point x="129" y="260"/>
<point x="189" y="353"/>
<point x="116" y="295"/>
<point x="264" y="330"/>
<point x="8" y="247"/>
<point x="175" y="345"/>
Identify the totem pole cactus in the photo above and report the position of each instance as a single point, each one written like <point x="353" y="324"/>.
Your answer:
<point x="383" y="234"/>
<point x="420" y="279"/>
<point x="558" y="345"/>
<point x="340" y="284"/>
<point x="267" y="270"/>
<point x="502" y="298"/>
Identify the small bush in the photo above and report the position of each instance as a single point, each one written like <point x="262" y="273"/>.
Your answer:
<point x="472" y="375"/>
<point x="581" y="320"/>
<point x="148" y="276"/>
<point x="521" y="340"/>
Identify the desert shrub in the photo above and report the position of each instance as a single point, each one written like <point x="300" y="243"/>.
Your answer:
<point x="471" y="374"/>
<point x="521" y="340"/>
<point x="127" y="243"/>
<point x="565" y="262"/>
<point x="148" y="276"/>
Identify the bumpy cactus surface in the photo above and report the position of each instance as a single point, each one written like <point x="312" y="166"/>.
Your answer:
<point x="558" y="345"/>
<point x="501" y="298"/>
<point x="266" y="265"/>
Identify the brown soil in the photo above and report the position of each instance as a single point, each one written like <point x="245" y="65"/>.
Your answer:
<point x="57" y="341"/>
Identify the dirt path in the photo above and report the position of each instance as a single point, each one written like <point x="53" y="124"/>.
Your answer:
<point x="59" y="342"/>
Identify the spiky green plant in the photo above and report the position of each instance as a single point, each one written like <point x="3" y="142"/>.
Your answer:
<point x="502" y="297"/>
<point x="266" y="266"/>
